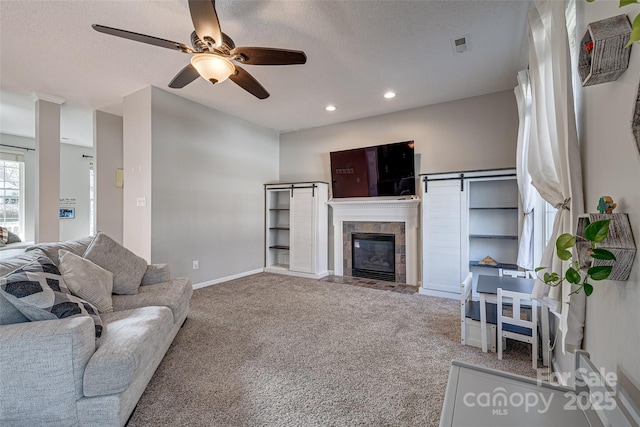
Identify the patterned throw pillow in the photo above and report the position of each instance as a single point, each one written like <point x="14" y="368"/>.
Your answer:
<point x="4" y="235"/>
<point x="38" y="291"/>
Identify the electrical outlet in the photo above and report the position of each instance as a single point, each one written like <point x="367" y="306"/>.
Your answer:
<point x="196" y="265"/>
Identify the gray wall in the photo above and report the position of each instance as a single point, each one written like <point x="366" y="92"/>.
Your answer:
<point x="473" y="133"/>
<point x="611" y="166"/>
<point x="137" y="141"/>
<point x="208" y="173"/>
<point x="469" y="134"/>
<point x="108" y="149"/>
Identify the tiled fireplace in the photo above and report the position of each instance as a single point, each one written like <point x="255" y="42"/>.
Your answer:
<point x="372" y="239"/>
<point x="373" y="217"/>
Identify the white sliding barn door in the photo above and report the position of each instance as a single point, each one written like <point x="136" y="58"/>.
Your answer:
<point x="444" y="239"/>
<point x="303" y="224"/>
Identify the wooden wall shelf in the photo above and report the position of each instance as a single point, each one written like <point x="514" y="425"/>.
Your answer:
<point x="603" y="56"/>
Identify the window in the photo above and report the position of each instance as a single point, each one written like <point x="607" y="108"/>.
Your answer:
<point x="12" y="193"/>
<point x="549" y="217"/>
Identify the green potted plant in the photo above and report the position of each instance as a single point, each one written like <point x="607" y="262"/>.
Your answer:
<point x="580" y="272"/>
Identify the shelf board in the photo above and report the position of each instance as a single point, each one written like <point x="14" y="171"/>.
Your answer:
<point x="279" y="247"/>
<point x="279" y="228"/>
<point x="492" y="236"/>
<point x="493" y="207"/>
<point x="279" y="209"/>
<point x="499" y="265"/>
<point x="279" y="266"/>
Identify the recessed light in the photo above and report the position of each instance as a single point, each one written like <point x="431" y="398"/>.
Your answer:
<point x="390" y="95"/>
<point x="330" y="108"/>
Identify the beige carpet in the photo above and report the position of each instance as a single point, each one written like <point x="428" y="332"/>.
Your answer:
<point x="270" y="350"/>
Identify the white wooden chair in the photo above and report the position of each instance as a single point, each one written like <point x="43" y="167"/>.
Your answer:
<point x="470" y="318"/>
<point x="511" y="273"/>
<point x="513" y="326"/>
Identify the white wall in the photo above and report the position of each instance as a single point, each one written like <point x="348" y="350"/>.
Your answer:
<point x="469" y="134"/>
<point x="74" y="184"/>
<point x="74" y="190"/>
<point x="611" y="166"/>
<point x="208" y="197"/>
<point x="108" y="158"/>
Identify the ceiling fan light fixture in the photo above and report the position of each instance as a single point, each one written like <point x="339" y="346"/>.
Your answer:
<point x="212" y="67"/>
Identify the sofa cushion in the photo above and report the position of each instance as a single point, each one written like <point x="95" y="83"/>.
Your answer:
<point x="131" y="341"/>
<point x="174" y="294"/>
<point x="12" y="238"/>
<point x="87" y="280"/>
<point x="9" y="314"/>
<point x="127" y="267"/>
<point x="39" y="292"/>
<point x="78" y="247"/>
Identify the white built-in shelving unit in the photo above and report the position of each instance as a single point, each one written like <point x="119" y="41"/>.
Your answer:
<point x="467" y="216"/>
<point x="296" y="228"/>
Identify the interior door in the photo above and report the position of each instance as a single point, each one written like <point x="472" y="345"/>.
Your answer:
<point x="302" y="255"/>
<point x="444" y="235"/>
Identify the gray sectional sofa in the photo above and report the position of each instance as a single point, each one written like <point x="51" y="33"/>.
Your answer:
<point x="55" y="372"/>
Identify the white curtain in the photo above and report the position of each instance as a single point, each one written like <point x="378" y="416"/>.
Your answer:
<point x="554" y="156"/>
<point x="526" y="190"/>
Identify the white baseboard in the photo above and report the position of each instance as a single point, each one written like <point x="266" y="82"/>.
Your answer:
<point x="441" y="294"/>
<point x="226" y="279"/>
<point x="287" y="272"/>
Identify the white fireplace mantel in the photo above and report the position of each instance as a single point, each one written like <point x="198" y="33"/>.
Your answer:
<point x="377" y="210"/>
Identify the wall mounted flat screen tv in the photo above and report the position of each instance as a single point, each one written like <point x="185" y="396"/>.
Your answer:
<point x="382" y="170"/>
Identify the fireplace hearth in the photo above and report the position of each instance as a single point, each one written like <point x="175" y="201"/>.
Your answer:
<point x="373" y="256"/>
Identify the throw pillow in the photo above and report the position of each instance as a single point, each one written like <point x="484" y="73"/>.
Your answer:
<point x="87" y="280"/>
<point x="127" y="267"/>
<point x="4" y="235"/>
<point x="12" y="237"/>
<point x="39" y="292"/>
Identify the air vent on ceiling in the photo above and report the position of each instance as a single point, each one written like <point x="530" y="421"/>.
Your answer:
<point x="460" y="44"/>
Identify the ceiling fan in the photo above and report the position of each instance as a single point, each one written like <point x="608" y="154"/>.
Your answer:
<point x="213" y="52"/>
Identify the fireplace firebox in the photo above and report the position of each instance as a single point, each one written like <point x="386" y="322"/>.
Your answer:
<point x="373" y="256"/>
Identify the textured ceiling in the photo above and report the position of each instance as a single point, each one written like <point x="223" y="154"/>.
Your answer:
<point x="356" y="51"/>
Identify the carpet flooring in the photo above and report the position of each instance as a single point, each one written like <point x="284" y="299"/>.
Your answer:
<point x="273" y="350"/>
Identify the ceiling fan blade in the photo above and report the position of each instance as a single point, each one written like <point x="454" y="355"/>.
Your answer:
<point x="142" y="38"/>
<point x="269" y="56"/>
<point x="246" y="81"/>
<point x="184" y="77"/>
<point x="205" y="21"/>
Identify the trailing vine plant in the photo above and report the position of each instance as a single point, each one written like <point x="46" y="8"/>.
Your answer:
<point x="579" y="273"/>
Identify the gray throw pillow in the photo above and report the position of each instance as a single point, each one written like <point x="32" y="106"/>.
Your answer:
<point x="87" y="280"/>
<point x="13" y="238"/>
<point x="127" y="267"/>
<point x="39" y="292"/>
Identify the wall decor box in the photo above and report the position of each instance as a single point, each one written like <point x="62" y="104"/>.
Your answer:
<point x="620" y="242"/>
<point x="603" y="56"/>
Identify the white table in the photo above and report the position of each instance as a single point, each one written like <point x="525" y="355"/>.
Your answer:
<point x="479" y="396"/>
<point x="487" y="288"/>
